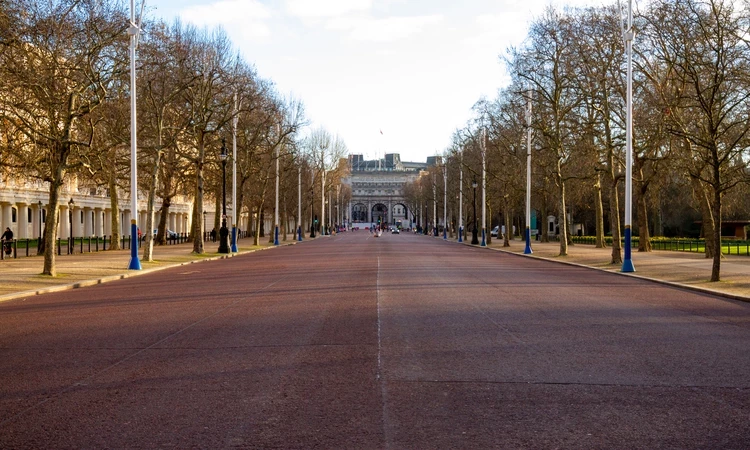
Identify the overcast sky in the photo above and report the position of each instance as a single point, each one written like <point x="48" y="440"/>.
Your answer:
<point x="388" y="76"/>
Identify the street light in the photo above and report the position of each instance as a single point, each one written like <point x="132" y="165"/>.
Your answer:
<point x="527" y="250"/>
<point x="474" y="238"/>
<point x="235" y="209"/>
<point x="204" y="225"/>
<point x="629" y="35"/>
<point x="223" y="231"/>
<point x="40" y="243"/>
<point x="461" y="200"/>
<point x="71" y="247"/>
<point x="460" y="223"/>
<point x="445" y="201"/>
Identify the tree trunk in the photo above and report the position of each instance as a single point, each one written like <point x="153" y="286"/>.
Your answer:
<point x="644" y="238"/>
<point x="716" y="266"/>
<point x="507" y="213"/>
<point x="284" y="218"/>
<point x="161" y="237"/>
<point x="707" y="218"/>
<point x="148" y="251"/>
<point x="197" y="228"/>
<point x="600" y="243"/>
<point x="487" y="226"/>
<point x="545" y="226"/>
<point x="50" y="228"/>
<point x="114" y="203"/>
<point x="614" y="220"/>
<point x="563" y="221"/>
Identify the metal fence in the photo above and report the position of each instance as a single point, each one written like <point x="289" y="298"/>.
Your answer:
<point x="728" y="246"/>
<point x="31" y="247"/>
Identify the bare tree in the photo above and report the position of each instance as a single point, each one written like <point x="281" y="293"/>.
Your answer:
<point x="57" y="62"/>
<point x="705" y="48"/>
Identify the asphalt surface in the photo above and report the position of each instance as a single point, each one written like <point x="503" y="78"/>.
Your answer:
<point x="351" y="341"/>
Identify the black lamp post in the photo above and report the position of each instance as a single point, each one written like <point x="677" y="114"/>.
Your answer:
<point x="40" y="243"/>
<point x="474" y="238"/>
<point x="71" y="246"/>
<point x="204" y="225"/>
<point x="224" y="231"/>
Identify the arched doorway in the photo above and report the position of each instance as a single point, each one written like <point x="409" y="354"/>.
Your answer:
<point x="380" y="213"/>
<point x="401" y="215"/>
<point x="359" y="212"/>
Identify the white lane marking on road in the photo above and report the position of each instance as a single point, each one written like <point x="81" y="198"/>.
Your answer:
<point x="377" y="293"/>
<point x="387" y="434"/>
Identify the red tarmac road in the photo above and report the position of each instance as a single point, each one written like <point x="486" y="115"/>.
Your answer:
<point x="400" y="341"/>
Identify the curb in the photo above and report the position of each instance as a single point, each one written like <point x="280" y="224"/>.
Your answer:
<point x="673" y="284"/>
<point x="688" y="287"/>
<point x="109" y="278"/>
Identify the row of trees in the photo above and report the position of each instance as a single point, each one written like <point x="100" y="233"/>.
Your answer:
<point x="65" y="113"/>
<point x="691" y="122"/>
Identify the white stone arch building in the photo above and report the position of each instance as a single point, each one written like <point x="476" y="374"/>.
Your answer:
<point x="377" y="190"/>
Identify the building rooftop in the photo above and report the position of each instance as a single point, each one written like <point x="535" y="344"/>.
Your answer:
<point x="391" y="162"/>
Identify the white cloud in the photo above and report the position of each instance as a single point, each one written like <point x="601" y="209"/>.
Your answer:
<point x="326" y="8"/>
<point x="251" y="14"/>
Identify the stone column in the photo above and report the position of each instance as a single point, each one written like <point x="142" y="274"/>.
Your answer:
<point x="23" y="220"/>
<point x="98" y="225"/>
<point x="172" y="222"/>
<point x="125" y="224"/>
<point x="35" y="219"/>
<point x="7" y="216"/>
<point x="88" y="225"/>
<point x="63" y="226"/>
<point x="77" y="222"/>
<point x="107" y="222"/>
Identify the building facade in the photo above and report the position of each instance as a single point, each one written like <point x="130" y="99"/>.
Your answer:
<point x="83" y="211"/>
<point x="377" y="190"/>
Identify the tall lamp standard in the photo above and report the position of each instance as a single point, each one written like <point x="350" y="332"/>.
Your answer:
<point x="484" y="187"/>
<point x="527" y="250"/>
<point x="313" y="217"/>
<point x="234" y="178"/>
<point x="445" y="202"/>
<point x="629" y="35"/>
<point x="474" y="237"/>
<point x="40" y="243"/>
<point x="276" y="208"/>
<point x="71" y="205"/>
<point x="461" y="201"/>
<point x="134" y="32"/>
<point x="299" y="203"/>
<point x="434" y="207"/>
<point x="223" y="231"/>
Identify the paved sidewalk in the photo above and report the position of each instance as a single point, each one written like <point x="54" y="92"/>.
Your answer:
<point x="22" y="277"/>
<point x="691" y="270"/>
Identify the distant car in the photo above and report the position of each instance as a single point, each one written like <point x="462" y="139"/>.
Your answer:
<point x="495" y="231"/>
<point x="169" y="233"/>
<point x="395" y="231"/>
